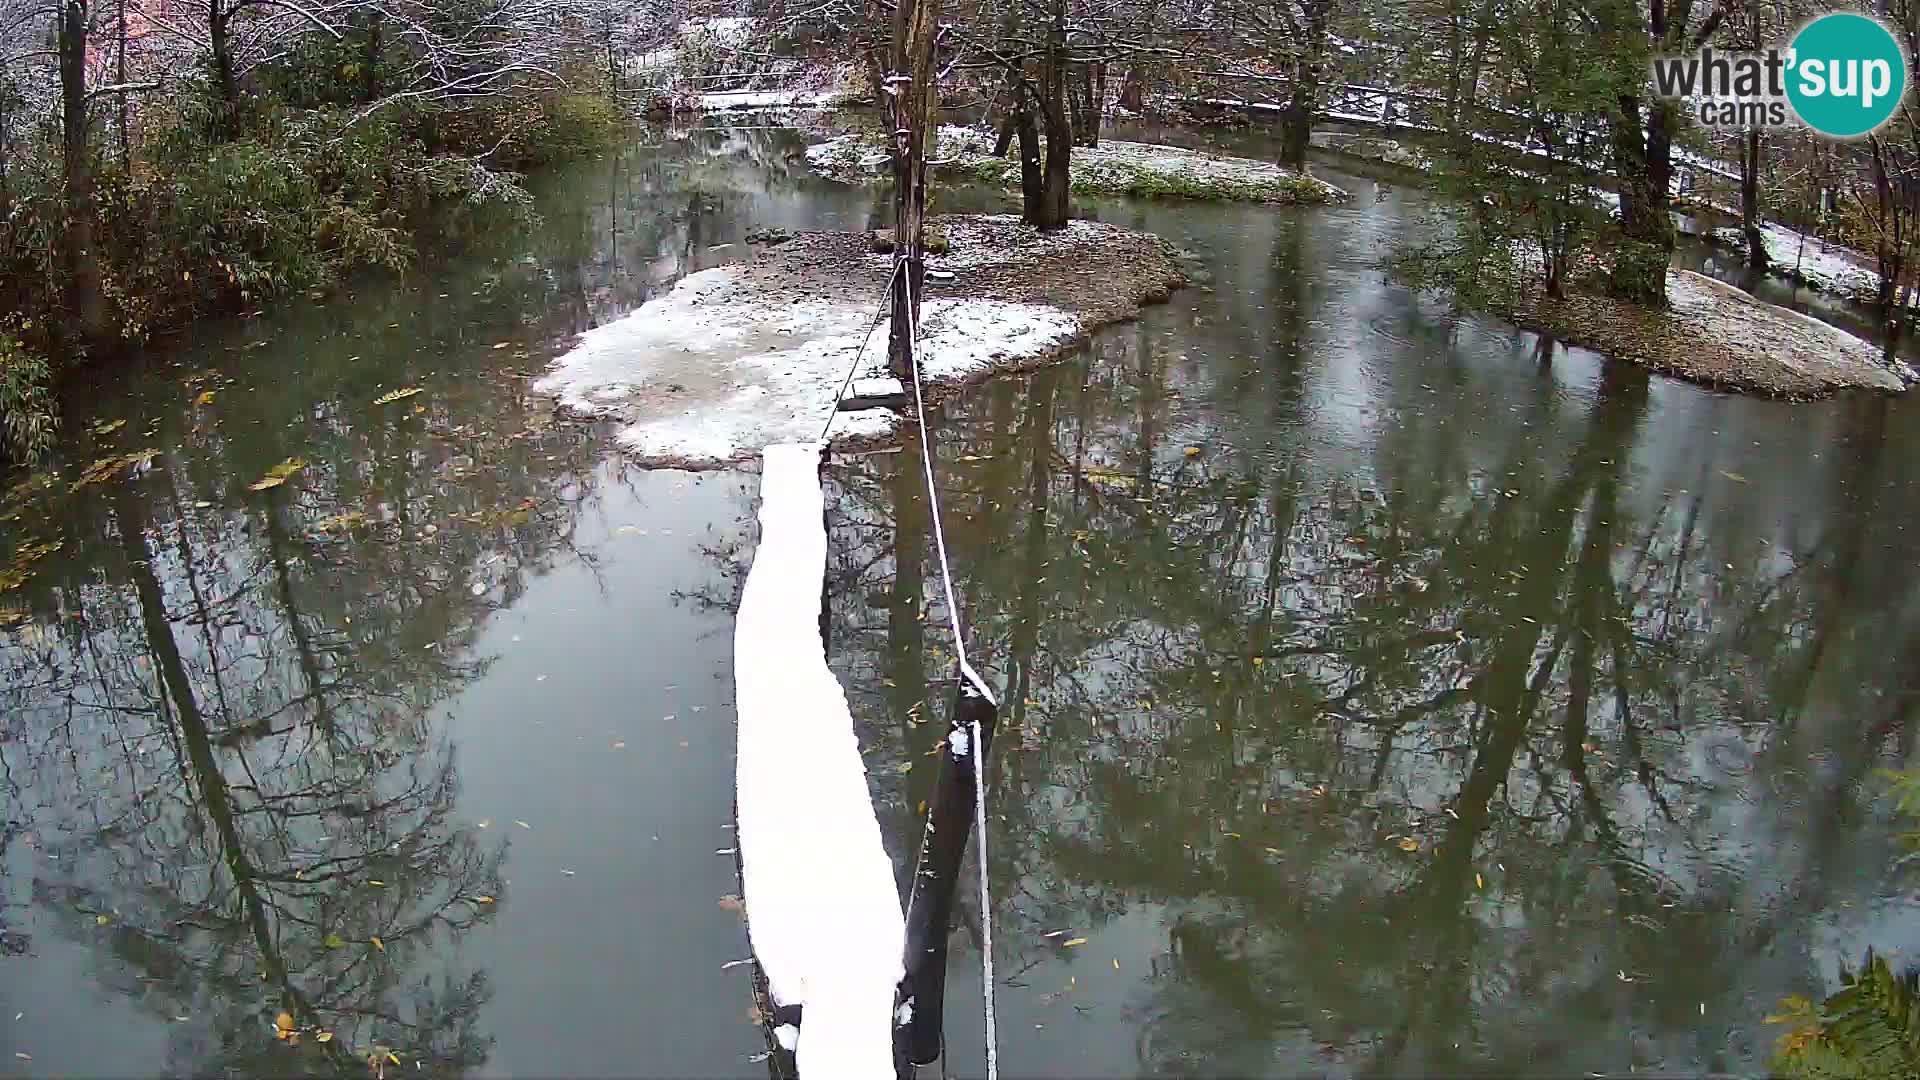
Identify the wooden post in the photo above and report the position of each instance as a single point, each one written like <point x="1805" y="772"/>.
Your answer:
<point x="937" y="872"/>
<point x="914" y="98"/>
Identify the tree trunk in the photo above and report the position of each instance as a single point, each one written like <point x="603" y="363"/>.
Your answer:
<point x="85" y="303"/>
<point x="1750" y="164"/>
<point x="1296" y="120"/>
<point x="1086" y="112"/>
<point x="1133" y="90"/>
<point x="1099" y="103"/>
<point x="1008" y="128"/>
<point x="913" y="123"/>
<point x="1056" y="185"/>
<point x="226" y="103"/>
<point x="120" y="76"/>
<point x="370" y="83"/>
<point x="1642" y="158"/>
<point x="1031" y="177"/>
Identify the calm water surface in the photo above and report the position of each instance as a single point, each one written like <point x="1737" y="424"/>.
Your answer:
<point x="1386" y="692"/>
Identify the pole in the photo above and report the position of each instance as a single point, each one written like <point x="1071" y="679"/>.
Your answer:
<point x="937" y="873"/>
<point x="913" y="98"/>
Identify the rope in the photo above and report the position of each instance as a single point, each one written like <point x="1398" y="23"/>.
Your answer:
<point x="967" y="672"/>
<point x="886" y="298"/>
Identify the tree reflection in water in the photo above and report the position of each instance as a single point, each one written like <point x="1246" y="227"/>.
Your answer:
<point x="1466" y="758"/>
<point x="222" y="747"/>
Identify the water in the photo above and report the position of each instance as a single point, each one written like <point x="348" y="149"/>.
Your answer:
<point x="1385" y="692"/>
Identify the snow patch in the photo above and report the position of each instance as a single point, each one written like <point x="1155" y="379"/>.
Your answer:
<point x="712" y="371"/>
<point x="767" y="99"/>
<point x="787" y="1036"/>
<point x="876" y="387"/>
<point x="959" y="743"/>
<point x="822" y="911"/>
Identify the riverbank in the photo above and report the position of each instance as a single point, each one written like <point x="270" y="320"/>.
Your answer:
<point x="1715" y="335"/>
<point x="740" y="356"/>
<point x="1112" y="168"/>
<point x="1810" y="261"/>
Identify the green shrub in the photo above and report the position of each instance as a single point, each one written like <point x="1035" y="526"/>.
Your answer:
<point x="28" y="418"/>
<point x="1869" y="1029"/>
<point x="311" y="196"/>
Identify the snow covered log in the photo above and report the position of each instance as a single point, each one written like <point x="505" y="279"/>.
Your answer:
<point x="823" y="914"/>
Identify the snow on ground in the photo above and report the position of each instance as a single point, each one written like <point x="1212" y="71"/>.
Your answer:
<point x="823" y="912"/>
<point x="1113" y="167"/>
<point x="768" y="99"/>
<point x="1820" y="265"/>
<point x="705" y="376"/>
<point x="1802" y="346"/>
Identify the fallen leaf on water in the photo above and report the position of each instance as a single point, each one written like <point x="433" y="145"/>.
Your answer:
<point x="108" y="428"/>
<point x="619" y="746"/>
<point x="376" y="883"/>
<point x="205" y="398"/>
<point x="522" y="824"/>
<point x="483" y="899"/>
<point x="106" y="468"/>
<point x="378" y="944"/>
<point x="501" y="344"/>
<point x="1733" y="476"/>
<point x="1116" y="964"/>
<point x="333" y="941"/>
<point x="1479" y="882"/>
<point x="1071" y="942"/>
<point x="569" y="873"/>
<point x="392" y="396"/>
<point x="1192" y="451"/>
<point x="324" y="1036"/>
<point x="277" y="475"/>
<point x="102" y="920"/>
<point x="484" y="822"/>
<point x="283" y="1025"/>
<point x="23" y="1057"/>
<point x="1408" y="843"/>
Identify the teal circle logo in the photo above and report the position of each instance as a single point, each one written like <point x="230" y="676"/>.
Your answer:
<point x="1847" y="74"/>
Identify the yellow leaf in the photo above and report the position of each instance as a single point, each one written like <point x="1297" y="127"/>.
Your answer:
<point x="1193" y="451"/>
<point x="395" y="395"/>
<point x="378" y="944"/>
<point x="205" y="398"/>
<point x="278" y="474"/>
<point x="283" y="1023"/>
<point x="103" y="919"/>
<point x="376" y="883"/>
<point x="1479" y="882"/>
<point x="483" y="899"/>
<point x="501" y="344"/>
<point x="393" y="1057"/>
<point x="324" y="1036"/>
<point x="1408" y="843"/>
<point x="1071" y="942"/>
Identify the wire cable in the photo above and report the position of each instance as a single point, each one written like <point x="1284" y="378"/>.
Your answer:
<point x="976" y="744"/>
